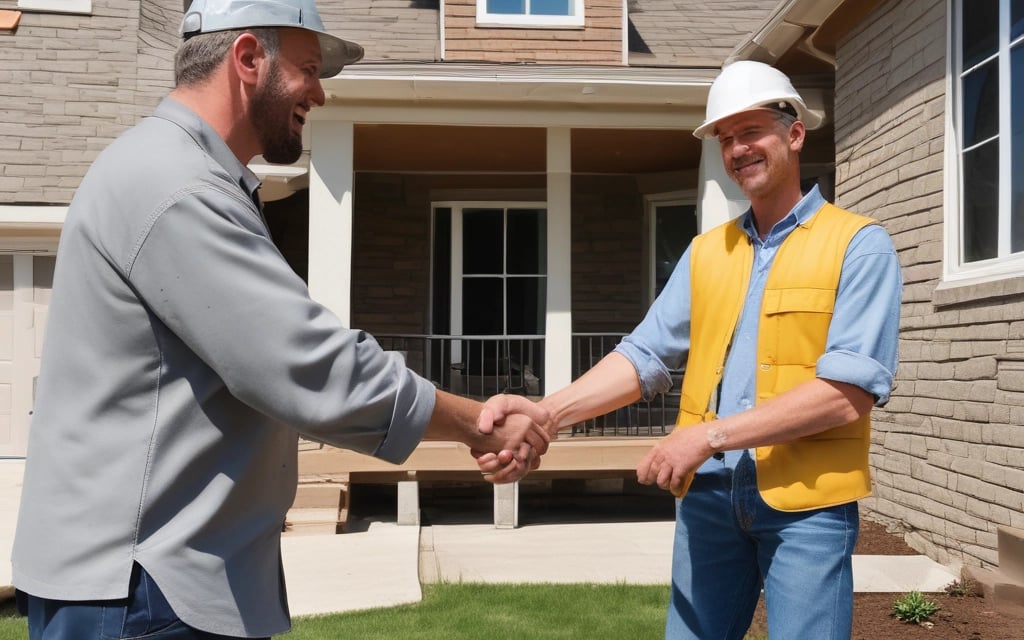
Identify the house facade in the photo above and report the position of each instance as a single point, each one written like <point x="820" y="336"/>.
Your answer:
<point x="498" y="190"/>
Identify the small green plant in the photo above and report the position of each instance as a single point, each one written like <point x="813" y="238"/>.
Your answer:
<point x="961" y="588"/>
<point x="913" y="608"/>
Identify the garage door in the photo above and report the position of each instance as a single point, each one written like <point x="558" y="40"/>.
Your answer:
<point x="25" y="283"/>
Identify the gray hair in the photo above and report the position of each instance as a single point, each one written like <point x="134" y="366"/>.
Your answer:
<point x="199" y="55"/>
<point x="785" y="119"/>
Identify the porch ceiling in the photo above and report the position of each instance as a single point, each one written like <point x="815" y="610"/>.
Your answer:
<point x="452" y="149"/>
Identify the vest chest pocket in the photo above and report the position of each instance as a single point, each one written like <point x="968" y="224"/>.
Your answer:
<point x="795" y="324"/>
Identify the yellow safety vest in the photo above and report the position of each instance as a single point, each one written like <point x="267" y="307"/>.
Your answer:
<point x="821" y="470"/>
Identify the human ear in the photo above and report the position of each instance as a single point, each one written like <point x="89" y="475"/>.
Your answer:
<point x="797" y="134"/>
<point x="246" y="55"/>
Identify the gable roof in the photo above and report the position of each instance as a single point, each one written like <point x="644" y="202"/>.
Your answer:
<point x="671" y="33"/>
<point x="684" y="33"/>
<point x="388" y="30"/>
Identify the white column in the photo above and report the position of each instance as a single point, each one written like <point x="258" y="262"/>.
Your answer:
<point x="558" y="332"/>
<point x="718" y="198"/>
<point x="330" y="216"/>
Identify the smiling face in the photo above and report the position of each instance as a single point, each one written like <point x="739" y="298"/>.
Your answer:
<point x="285" y="94"/>
<point x="760" y="152"/>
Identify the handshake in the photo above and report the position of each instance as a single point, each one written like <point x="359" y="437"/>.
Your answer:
<point x="512" y="433"/>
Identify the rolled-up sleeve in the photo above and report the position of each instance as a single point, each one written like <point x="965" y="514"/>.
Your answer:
<point x="208" y="269"/>
<point x="864" y="335"/>
<point x="661" y="341"/>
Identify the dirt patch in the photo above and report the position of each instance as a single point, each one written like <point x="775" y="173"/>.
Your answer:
<point x="966" y="617"/>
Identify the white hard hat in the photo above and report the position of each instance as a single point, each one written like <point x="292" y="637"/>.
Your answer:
<point x="746" y="85"/>
<point x="204" y="16"/>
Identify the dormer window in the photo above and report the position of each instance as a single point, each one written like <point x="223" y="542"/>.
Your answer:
<point x="529" y="13"/>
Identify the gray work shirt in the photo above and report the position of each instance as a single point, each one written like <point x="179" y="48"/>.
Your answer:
<point x="182" y="358"/>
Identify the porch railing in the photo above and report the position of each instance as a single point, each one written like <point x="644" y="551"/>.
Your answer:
<point x="653" y="418"/>
<point x="480" y="366"/>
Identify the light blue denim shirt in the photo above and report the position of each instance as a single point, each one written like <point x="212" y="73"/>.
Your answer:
<point x="862" y="338"/>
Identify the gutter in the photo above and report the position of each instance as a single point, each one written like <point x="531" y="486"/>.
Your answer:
<point x="792" y="24"/>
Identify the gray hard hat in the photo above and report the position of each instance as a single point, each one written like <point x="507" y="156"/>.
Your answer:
<point x="204" y="16"/>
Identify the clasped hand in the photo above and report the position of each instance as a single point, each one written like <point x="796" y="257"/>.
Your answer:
<point x="526" y="426"/>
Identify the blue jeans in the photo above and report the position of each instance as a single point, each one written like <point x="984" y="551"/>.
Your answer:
<point x="729" y="544"/>
<point x="145" y="613"/>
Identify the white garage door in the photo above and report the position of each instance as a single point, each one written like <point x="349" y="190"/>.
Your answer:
<point x="25" y="283"/>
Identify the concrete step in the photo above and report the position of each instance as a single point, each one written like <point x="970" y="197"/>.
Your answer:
<point x="319" y="508"/>
<point x="1011" y="553"/>
<point x="1003" y="586"/>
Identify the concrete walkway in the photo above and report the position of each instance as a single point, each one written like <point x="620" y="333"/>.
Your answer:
<point x="383" y="564"/>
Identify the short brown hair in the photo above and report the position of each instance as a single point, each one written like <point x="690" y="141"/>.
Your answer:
<point x="200" y="54"/>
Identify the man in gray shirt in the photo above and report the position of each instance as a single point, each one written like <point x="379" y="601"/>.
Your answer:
<point x="183" y="357"/>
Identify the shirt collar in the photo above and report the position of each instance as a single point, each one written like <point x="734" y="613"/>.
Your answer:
<point x="208" y="139"/>
<point x="801" y="213"/>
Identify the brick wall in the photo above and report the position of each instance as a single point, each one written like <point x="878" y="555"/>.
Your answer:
<point x="70" y="84"/>
<point x="948" y="449"/>
<point x="599" y="42"/>
<point x="607" y="262"/>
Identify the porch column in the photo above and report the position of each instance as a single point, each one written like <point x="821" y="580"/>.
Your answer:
<point x="558" y="331"/>
<point x="330" y="216"/>
<point x="558" y="318"/>
<point x="718" y="198"/>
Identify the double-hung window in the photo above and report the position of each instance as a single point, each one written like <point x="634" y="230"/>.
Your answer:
<point x="986" y="220"/>
<point x="530" y="13"/>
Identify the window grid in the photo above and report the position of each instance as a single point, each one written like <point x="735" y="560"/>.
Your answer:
<point x="982" y="214"/>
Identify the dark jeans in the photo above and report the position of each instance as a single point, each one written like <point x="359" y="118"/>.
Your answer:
<point x="143" y="614"/>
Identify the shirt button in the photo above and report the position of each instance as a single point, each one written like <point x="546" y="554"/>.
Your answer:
<point x="765" y="366"/>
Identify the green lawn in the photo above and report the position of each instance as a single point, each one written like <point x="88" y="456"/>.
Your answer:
<point x="457" y="611"/>
<point x="473" y="611"/>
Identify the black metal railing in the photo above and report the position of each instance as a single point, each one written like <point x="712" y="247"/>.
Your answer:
<point x="653" y="418"/>
<point x="480" y="366"/>
<point x="476" y="366"/>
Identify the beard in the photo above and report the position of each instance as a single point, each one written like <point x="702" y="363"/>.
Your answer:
<point x="271" y="117"/>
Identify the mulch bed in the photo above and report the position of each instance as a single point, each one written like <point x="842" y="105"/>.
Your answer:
<point x="965" y="617"/>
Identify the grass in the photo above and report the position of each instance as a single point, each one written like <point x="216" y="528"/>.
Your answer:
<point x="465" y="611"/>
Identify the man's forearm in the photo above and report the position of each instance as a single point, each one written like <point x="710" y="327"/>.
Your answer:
<point x="812" y="407"/>
<point x="610" y="384"/>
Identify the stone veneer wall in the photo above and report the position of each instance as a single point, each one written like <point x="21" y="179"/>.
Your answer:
<point x="73" y="83"/>
<point x="948" y="449"/>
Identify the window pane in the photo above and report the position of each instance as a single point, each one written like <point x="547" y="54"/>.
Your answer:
<point x="981" y="104"/>
<point x="441" y="264"/>
<point x="527" y="245"/>
<point x="1017" y="147"/>
<point x="482" y="241"/>
<point x="550" y="8"/>
<point x="674" y="227"/>
<point x="526" y="298"/>
<point x="1016" y="19"/>
<point x="980" y="30"/>
<point x="482" y="302"/>
<point x="981" y="202"/>
<point x="506" y="6"/>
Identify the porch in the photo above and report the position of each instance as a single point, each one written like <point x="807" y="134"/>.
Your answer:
<point x="605" y="447"/>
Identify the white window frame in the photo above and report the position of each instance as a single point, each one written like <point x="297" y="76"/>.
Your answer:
<point x="651" y="203"/>
<point x="457" y="207"/>
<point x="57" y="6"/>
<point x="486" y="19"/>
<point x="1006" y="264"/>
